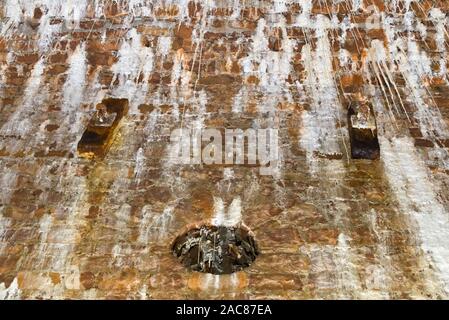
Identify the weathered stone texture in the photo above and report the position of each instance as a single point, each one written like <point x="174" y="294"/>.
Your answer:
<point x="327" y="226"/>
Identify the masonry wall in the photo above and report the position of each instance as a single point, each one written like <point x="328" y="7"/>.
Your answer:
<point x="328" y="226"/>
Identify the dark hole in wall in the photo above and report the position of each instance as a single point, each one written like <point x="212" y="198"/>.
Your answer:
<point x="363" y="131"/>
<point x="101" y="128"/>
<point x="216" y="249"/>
<point x="37" y="14"/>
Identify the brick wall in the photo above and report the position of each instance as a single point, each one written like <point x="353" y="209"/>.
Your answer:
<point x="328" y="226"/>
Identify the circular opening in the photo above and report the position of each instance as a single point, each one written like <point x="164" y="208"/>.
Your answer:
<point x="216" y="249"/>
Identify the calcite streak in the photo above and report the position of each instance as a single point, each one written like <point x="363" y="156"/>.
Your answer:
<point x="328" y="226"/>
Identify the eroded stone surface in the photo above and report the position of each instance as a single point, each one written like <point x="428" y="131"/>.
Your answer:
<point x="328" y="226"/>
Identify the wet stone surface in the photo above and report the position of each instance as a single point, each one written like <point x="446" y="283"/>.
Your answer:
<point x="329" y="226"/>
<point x="216" y="249"/>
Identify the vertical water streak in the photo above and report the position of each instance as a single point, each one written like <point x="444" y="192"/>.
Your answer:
<point x="133" y="70"/>
<point x="410" y="183"/>
<point x="19" y="123"/>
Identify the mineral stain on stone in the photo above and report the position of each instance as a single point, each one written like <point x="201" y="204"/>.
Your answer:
<point x="101" y="129"/>
<point x="333" y="227"/>
<point x="216" y="249"/>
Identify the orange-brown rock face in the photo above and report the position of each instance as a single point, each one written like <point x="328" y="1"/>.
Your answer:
<point x="326" y="225"/>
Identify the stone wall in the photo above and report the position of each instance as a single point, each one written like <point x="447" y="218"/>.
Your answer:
<point x="327" y="225"/>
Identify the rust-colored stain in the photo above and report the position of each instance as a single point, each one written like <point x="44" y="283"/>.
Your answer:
<point x="94" y="198"/>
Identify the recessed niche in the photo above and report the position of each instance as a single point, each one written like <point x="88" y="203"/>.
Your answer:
<point x="363" y="131"/>
<point x="216" y="249"/>
<point x="274" y="44"/>
<point x="101" y="128"/>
